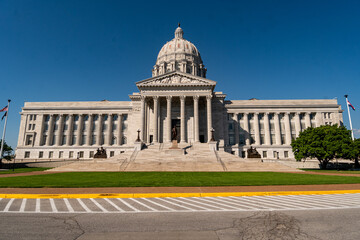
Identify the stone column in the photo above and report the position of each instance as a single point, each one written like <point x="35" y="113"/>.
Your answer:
<point x="246" y="129"/>
<point x="69" y="131"/>
<point x="209" y="116"/>
<point x="287" y="128"/>
<point x="119" y="135"/>
<point x="196" y="118"/>
<point x="267" y="129"/>
<point x="277" y="129"/>
<point x="39" y="130"/>
<point x="168" y="117"/>
<point x="257" y="129"/>
<point x="318" y="119"/>
<point x="307" y="120"/>
<point x="182" y="118"/>
<point x="79" y="130"/>
<point x="142" y="125"/>
<point x="297" y="124"/>
<point x="99" y="132"/>
<point x="60" y="129"/>
<point x="236" y="126"/>
<point x="156" y="119"/>
<point x="89" y="131"/>
<point x="50" y="130"/>
<point x="109" y="133"/>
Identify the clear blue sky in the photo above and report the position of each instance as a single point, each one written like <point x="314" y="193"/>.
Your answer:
<point x="89" y="50"/>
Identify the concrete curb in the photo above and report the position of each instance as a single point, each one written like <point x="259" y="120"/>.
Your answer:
<point x="163" y="195"/>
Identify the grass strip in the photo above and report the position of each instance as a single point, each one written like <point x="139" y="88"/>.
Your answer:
<point x="170" y="179"/>
<point x="333" y="171"/>
<point x="22" y="170"/>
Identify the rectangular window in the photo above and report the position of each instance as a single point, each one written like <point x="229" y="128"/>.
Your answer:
<point x="29" y="140"/>
<point x="34" y="117"/>
<point x="231" y="139"/>
<point x="44" y="139"/>
<point x="273" y="138"/>
<point x="29" y="128"/>
<point x="63" y="142"/>
<point x="264" y="154"/>
<point x="83" y="140"/>
<point x="93" y="139"/>
<point x="81" y="154"/>
<point x="27" y="154"/>
<point x="73" y="141"/>
<point x="53" y="140"/>
<point x="286" y="154"/>
<point x="51" y="154"/>
<point x="31" y="117"/>
<point x="33" y="127"/>
<point x="243" y="154"/>
<point x="41" y="154"/>
<point x="275" y="154"/>
<point x="61" y="154"/>
<point x="71" y="154"/>
<point x="283" y="139"/>
<point x="91" y="155"/>
<point x="112" y="153"/>
<point x="231" y="126"/>
<point x="262" y="138"/>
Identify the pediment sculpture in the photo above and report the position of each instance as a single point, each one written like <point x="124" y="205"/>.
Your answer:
<point x="175" y="80"/>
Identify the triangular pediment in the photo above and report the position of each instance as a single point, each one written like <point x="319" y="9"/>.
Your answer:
<point x="175" y="79"/>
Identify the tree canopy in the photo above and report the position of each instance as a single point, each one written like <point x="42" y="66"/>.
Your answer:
<point x="7" y="151"/>
<point x="324" y="143"/>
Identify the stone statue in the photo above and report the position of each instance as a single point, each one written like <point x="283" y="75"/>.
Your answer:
<point x="100" y="153"/>
<point x="253" y="153"/>
<point x="173" y="133"/>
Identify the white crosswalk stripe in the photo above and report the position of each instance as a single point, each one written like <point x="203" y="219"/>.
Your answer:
<point x="180" y="204"/>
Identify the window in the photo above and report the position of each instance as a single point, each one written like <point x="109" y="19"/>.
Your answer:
<point x="113" y="140"/>
<point x="71" y="154"/>
<point x="262" y="138"/>
<point x="112" y="153"/>
<point x="230" y="116"/>
<point x="41" y="154"/>
<point x="241" y="139"/>
<point x="30" y="125"/>
<point x="44" y="139"/>
<point x="83" y="140"/>
<point x="231" y="139"/>
<point x="91" y="155"/>
<point x="51" y="154"/>
<point x="81" y="154"/>
<point x="125" y="116"/>
<point x="63" y="142"/>
<point x="31" y="117"/>
<point x="27" y="154"/>
<point x="73" y="141"/>
<point x="61" y="154"/>
<point x="275" y="154"/>
<point x="264" y="154"/>
<point x="231" y="126"/>
<point x="33" y="127"/>
<point x="93" y="139"/>
<point x="124" y="140"/>
<point x="243" y="154"/>
<point x="53" y="140"/>
<point x="29" y="140"/>
<point x="286" y="154"/>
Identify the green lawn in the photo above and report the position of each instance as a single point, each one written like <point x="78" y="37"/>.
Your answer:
<point x="332" y="171"/>
<point x="169" y="179"/>
<point x="22" y="170"/>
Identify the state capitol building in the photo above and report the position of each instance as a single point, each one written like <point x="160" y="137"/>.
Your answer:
<point x="177" y="95"/>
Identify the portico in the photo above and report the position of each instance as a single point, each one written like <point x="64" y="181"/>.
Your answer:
<point x="161" y="103"/>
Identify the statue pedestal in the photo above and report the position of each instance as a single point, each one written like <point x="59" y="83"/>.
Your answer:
<point x="174" y="145"/>
<point x="213" y="145"/>
<point x="138" y="146"/>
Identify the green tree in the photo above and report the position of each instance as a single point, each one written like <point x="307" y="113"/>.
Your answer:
<point x="7" y="153"/>
<point x="324" y="143"/>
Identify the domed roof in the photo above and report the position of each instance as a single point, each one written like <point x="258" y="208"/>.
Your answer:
<point x="179" y="54"/>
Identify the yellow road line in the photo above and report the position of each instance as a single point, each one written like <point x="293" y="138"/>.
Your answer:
<point x="152" y="195"/>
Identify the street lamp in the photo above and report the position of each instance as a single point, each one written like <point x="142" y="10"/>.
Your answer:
<point x="138" y="137"/>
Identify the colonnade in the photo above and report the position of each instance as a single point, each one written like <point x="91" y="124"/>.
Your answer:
<point x="278" y="130"/>
<point x="75" y="137"/>
<point x="168" y="127"/>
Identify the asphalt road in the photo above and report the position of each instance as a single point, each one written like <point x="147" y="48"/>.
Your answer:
<point x="298" y="224"/>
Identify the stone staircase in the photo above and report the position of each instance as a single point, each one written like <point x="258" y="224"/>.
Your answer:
<point x="188" y="158"/>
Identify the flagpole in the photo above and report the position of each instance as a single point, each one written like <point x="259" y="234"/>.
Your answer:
<point x="352" y="132"/>
<point x="3" y="136"/>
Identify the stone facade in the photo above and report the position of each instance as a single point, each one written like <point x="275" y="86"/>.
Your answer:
<point x="178" y="94"/>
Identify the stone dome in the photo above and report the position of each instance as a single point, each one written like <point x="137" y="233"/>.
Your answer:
<point x="181" y="55"/>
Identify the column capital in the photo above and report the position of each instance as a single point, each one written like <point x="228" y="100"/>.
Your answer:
<point x="287" y="113"/>
<point x="142" y="98"/>
<point x="168" y="98"/>
<point x="182" y="98"/>
<point x="155" y="98"/>
<point x="208" y="97"/>
<point x="196" y="97"/>
<point x="266" y="113"/>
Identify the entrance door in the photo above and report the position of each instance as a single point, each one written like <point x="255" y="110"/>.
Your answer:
<point x="176" y="123"/>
